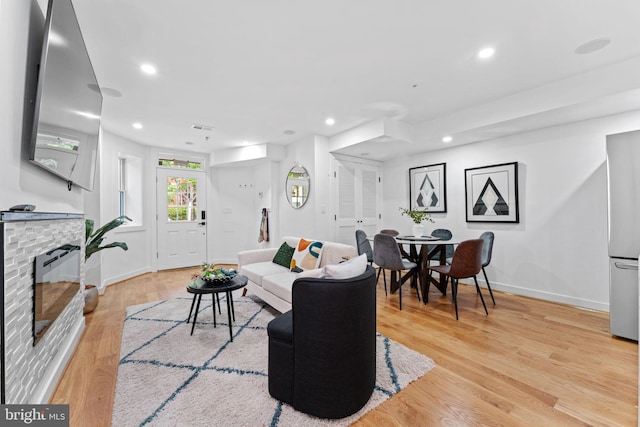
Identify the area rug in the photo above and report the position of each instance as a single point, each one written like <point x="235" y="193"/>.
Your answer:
<point x="168" y="377"/>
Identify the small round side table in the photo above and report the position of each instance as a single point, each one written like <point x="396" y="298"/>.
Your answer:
<point x="199" y="287"/>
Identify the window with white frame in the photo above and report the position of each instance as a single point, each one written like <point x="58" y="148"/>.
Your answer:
<point x="130" y="188"/>
<point x="121" y="186"/>
<point x="180" y="163"/>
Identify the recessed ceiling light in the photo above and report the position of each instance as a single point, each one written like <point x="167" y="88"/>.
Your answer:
<point x="330" y="121"/>
<point x="137" y="125"/>
<point x="289" y="132"/>
<point x="486" y="53"/>
<point x="593" y="46"/>
<point x="148" y="69"/>
<point x="447" y="139"/>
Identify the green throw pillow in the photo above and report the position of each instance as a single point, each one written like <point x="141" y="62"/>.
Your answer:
<point x="284" y="255"/>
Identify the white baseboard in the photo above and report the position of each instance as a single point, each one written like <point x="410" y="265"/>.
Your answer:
<point x="47" y="385"/>
<point x="543" y="295"/>
<point x="121" y="277"/>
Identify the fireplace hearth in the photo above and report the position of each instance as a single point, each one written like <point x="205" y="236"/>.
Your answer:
<point x="28" y="372"/>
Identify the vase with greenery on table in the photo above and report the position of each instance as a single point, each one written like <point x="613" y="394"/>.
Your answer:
<point x="417" y="216"/>
<point x="93" y="240"/>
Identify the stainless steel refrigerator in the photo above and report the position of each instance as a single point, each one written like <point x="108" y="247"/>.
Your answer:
<point x="623" y="177"/>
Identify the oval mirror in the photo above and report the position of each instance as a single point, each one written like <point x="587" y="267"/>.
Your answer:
<point x="297" y="186"/>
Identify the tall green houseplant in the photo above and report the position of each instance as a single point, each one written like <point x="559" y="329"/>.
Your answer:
<point x="93" y="239"/>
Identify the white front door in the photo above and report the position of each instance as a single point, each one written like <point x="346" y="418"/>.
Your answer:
<point x="357" y="189"/>
<point x="182" y="231"/>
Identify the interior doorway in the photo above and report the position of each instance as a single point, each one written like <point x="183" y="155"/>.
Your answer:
<point x="357" y="191"/>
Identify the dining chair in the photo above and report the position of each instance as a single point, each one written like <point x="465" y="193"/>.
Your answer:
<point x="387" y="256"/>
<point x="487" y="248"/>
<point x="364" y="247"/>
<point x="396" y="233"/>
<point x="442" y="234"/>
<point x="466" y="262"/>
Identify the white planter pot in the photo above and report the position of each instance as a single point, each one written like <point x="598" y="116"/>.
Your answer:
<point x="417" y="230"/>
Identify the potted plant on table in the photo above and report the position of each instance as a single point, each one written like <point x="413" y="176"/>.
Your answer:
<point x="417" y="216"/>
<point x="93" y="240"/>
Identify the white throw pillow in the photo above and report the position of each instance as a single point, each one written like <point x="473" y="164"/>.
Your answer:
<point x="348" y="269"/>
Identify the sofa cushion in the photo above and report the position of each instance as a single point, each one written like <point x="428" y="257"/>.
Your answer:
<point x="334" y="253"/>
<point x="346" y="270"/>
<point x="317" y="273"/>
<point x="257" y="271"/>
<point x="306" y="255"/>
<point x="284" y="255"/>
<point x="280" y="284"/>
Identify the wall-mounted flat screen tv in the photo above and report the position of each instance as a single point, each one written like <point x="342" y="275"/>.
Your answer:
<point x="68" y="104"/>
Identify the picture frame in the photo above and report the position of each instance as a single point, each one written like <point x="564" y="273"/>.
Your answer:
<point x="428" y="188"/>
<point x="491" y="193"/>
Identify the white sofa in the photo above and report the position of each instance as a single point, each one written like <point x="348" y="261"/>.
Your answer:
<point x="272" y="282"/>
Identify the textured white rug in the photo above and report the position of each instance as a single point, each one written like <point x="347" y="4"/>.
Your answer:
<point x="167" y="377"/>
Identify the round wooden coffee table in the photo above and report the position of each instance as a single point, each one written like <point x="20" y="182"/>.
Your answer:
<point x="199" y="287"/>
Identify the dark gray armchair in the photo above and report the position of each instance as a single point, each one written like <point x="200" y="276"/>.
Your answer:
<point x="322" y="353"/>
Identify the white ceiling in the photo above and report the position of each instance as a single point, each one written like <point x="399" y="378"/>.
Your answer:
<point x="253" y="68"/>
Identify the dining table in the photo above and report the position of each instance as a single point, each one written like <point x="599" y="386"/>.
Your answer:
<point x="422" y="249"/>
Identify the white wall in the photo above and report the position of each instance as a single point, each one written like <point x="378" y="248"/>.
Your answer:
<point x="116" y="264"/>
<point x="240" y="191"/>
<point x="558" y="251"/>
<point x="23" y="182"/>
<point x="321" y="185"/>
<point x="298" y="222"/>
<point x="313" y="220"/>
<point x="234" y="216"/>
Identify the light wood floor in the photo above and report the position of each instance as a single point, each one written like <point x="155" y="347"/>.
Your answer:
<point x="529" y="363"/>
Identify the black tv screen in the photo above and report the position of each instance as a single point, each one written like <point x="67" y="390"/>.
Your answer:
<point x="68" y="104"/>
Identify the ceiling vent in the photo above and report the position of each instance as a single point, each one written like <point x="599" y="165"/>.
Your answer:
<point x="202" y="128"/>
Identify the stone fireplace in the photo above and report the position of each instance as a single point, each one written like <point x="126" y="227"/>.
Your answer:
<point x="30" y="372"/>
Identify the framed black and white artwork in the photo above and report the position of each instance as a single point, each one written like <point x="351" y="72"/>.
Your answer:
<point x="492" y="193"/>
<point x="428" y="188"/>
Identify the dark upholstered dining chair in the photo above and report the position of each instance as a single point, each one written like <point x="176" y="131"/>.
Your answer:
<point x="390" y="232"/>
<point x="322" y="353"/>
<point x="364" y="247"/>
<point x="442" y="234"/>
<point x="466" y="262"/>
<point x="395" y="233"/>
<point x="487" y="249"/>
<point x="387" y="256"/>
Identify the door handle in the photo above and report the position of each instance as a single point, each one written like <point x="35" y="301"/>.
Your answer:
<point x="203" y="223"/>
